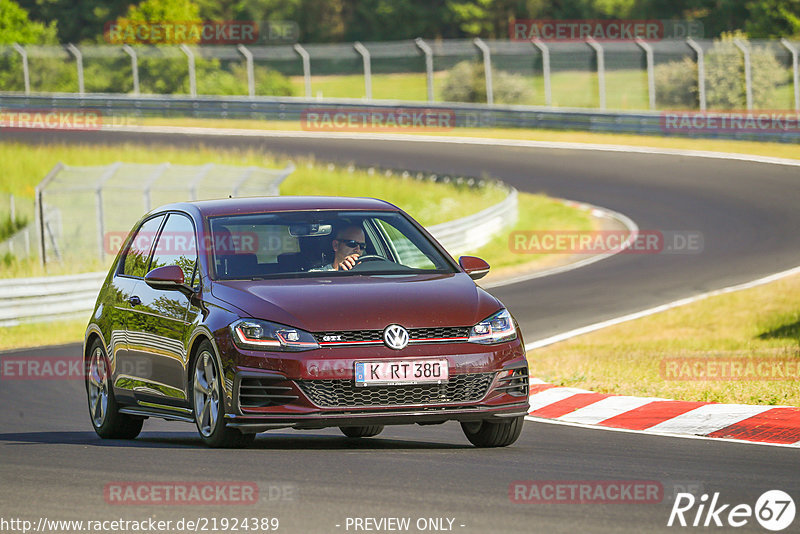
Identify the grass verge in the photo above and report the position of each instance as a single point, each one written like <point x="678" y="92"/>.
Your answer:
<point x="43" y="334"/>
<point x="652" y="356"/>
<point x="625" y="88"/>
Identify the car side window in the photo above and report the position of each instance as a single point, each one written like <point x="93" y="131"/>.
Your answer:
<point x="407" y="252"/>
<point x="138" y="254"/>
<point x="177" y="246"/>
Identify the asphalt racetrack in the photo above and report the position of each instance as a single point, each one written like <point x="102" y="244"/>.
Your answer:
<point x="54" y="466"/>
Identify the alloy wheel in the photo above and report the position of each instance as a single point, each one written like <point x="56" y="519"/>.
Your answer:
<point x="206" y="393"/>
<point x="98" y="387"/>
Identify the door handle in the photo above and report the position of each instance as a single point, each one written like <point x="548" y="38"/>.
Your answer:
<point x="135" y="301"/>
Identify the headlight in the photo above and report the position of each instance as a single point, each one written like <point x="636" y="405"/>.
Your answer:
<point x="494" y="329"/>
<point x="264" y="335"/>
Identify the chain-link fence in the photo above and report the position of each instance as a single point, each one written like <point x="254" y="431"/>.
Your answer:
<point x="84" y="212"/>
<point x="635" y="75"/>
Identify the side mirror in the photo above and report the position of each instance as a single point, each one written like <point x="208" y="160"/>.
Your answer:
<point x="169" y="277"/>
<point x="475" y="267"/>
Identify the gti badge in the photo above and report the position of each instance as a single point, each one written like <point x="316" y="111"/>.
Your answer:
<point x="395" y="337"/>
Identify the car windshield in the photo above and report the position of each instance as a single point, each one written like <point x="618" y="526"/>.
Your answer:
<point x="301" y="244"/>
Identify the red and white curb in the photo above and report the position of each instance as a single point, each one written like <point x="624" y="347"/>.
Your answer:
<point x="736" y="422"/>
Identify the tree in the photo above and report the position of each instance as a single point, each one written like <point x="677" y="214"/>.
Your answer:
<point x="78" y="20"/>
<point x="725" y="86"/>
<point x="16" y="27"/>
<point x="773" y="18"/>
<point x="164" y="10"/>
<point x="725" y="83"/>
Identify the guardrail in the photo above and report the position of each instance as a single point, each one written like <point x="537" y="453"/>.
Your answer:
<point x="48" y="298"/>
<point x="472" y="232"/>
<point x="54" y="297"/>
<point x="115" y="108"/>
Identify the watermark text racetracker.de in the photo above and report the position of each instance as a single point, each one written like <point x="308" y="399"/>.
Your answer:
<point x="605" y="242"/>
<point x="377" y="119"/>
<point x="200" y="493"/>
<point x="149" y="524"/>
<point x="61" y="119"/>
<point x="208" y="32"/>
<point x="176" y="243"/>
<point x="730" y="121"/>
<point x="571" y="30"/>
<point x="586" y="492"/>
<point x="63" y="367"/>
<point x="724" y="369"/>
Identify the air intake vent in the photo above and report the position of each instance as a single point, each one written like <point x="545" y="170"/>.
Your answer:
<point x="515" y="384"/>
<point x="255" y="392"/>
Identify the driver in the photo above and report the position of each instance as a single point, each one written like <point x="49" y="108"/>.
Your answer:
<point x="348" y="245"/>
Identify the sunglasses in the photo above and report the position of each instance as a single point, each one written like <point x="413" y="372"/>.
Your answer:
<point x="352" y="243"/>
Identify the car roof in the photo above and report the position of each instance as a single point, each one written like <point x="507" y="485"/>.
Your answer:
<point x="238" y="206"/>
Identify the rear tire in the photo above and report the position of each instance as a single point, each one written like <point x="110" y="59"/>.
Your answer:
<point x="107" y="422"/>
<point x="208" y="403"/>
<point x="490" y="434"/>
<point x="361" y="431"/>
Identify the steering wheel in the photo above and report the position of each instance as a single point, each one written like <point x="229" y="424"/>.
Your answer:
<point x="369" y="257"/>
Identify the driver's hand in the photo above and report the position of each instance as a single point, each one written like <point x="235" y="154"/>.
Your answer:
<point x="348" y="263"/>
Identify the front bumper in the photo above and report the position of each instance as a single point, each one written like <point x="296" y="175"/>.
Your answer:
<point x="264" y="400"/>
<point x="423" y="416"/>
<point x="315" y="389"/>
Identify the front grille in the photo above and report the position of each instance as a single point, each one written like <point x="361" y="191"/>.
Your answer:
<point x="256" y="392"/>
<point x="438" y="333"/>
<point x="344" y="336"/>
<point x="344" y="393"/>
<point x="376" y="336"/>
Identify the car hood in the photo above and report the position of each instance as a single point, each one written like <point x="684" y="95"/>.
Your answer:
<point x="361" y="302"/>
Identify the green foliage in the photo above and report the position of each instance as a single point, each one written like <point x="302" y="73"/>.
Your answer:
<point x="466" y="82"/>
<point x="676" y="84"/>
<point x="676" y="81"/>
<point x="11" y="73"/>
<point x="725" y="85"/>
<point x="462" y="83"/>
<point x="8" y="259"/>
<point x="215" y="81"/>
<point x="9" y="227"/>
<point x="472" y="16"/>
<point x="16" y="27"/>
<point x="382" y="20"/>
<point x="78" y="20"/>
<point x="773" y="18"/>
<point x="164" y="10"/>
<point x="510" y="88"/>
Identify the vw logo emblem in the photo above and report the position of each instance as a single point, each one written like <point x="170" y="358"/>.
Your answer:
<point x="395" y="337"/>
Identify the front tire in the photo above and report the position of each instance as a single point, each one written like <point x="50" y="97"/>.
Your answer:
<point x="361" y="431"/>
<point x="490" y="434"/>
<point x="107" y="422"/>
<point x="208" y="406"/>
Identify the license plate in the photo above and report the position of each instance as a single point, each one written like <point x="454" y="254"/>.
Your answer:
<point x="395" y="372"/>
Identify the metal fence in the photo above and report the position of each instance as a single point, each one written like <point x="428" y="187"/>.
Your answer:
<point x="615" y="75"/>
<point x="85" y="212"/>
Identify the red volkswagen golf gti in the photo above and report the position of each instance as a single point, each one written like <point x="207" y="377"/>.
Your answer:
<point x="245" y="315"/>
